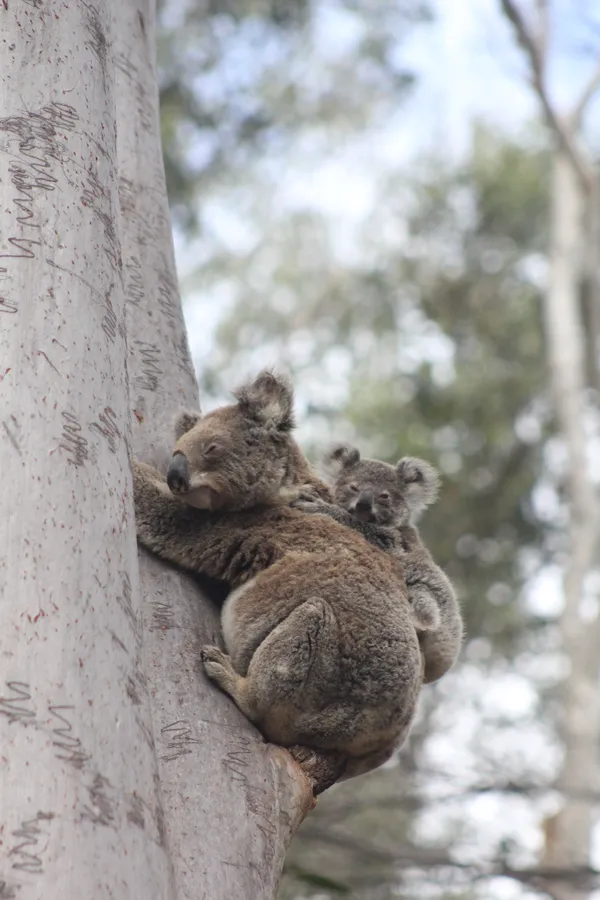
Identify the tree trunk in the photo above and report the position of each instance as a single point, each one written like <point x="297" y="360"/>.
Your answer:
<point x="569" y="843"/>
<point x="80" y="815"/>
<point x="80" y="809"/>
<point x="232" y="802"/>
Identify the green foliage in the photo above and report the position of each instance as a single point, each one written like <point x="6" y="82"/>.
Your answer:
<point x="243" y="81"/>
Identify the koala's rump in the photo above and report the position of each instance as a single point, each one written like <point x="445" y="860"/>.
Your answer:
<point x="329" y="650"/>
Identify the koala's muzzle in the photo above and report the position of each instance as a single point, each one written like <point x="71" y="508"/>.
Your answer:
<point x="363" y="508"/>
<point x="178" y="474"/>
<point x="196" y="490"/>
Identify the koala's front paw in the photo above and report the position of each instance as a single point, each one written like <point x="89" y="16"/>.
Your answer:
<point x="143" y="472"/>
<point x="387" y="539"/>
<point x="408" y="539"/>
<point x="308" y="500"/>
<point x="309" y="492"/>
<point x="309" y="506"/>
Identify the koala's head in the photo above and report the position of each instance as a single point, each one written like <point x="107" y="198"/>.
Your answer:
<point x="236" y="456"/>
<point x="376" y="492"/>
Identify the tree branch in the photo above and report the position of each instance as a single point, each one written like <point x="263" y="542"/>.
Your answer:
<point x="423" y="858"/>
<point x="563" y="129"/>
<point x="587" y="95"/>
<point x="542" y="40"/>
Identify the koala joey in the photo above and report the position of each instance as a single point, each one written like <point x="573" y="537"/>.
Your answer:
<point x="380" y="501"/>
<point x="321" y="650"/>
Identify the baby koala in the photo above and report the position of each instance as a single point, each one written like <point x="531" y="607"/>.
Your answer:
<point x="380" y="501"/>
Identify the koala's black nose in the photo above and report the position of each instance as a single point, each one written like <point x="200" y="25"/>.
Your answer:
<point x="364" y="503"/>
<point x="178" y="474"/>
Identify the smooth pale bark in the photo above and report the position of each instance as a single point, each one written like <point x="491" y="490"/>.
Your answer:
<point x="232" y="802"/>
<point x="79" y="809"/>
<point x="569" y="837"/>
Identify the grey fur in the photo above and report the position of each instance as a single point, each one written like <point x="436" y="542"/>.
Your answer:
<point x="380" y="502"/>
<point x="322" y="651"/>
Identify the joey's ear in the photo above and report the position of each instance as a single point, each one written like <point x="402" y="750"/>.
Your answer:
<point x="342" y="456"/>
<point x="269" y="399"/>
<point x="185" y="421"/>
<point x="420" y="480"/>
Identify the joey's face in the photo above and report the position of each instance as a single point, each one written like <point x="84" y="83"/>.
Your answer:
<point x="370" y="492"/>
<point x="235" y="457"/>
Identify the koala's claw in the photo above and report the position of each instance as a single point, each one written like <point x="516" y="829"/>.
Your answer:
<point x="212" y="653"/>
<point x="311" y="505"/>
<point x="217" y="665"/>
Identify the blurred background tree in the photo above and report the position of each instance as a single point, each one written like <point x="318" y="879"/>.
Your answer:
<point x="402" y="280"/>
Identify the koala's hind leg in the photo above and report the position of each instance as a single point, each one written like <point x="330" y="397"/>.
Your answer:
<point x="323" y="767"/>
<point x="217" y="666"/>
<point x="291" y="678"/>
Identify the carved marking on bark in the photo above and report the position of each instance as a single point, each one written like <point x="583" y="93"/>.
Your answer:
<point x="236" y="762"/>
<point x="8" y="892"/>
<point x="14" y="707"/>
<point x="124" y="601"/>
<point x="38" y="150"/>
<point x="72" y="441"/>
<point x="101" y="811"/>
<point x="152" y="372"/>
<point x="30" y="834"/>
<point x="12" y="437"/>
<point x="134" y="282"/>
<point x="178" y="737"/>
<point x="107" y="427"/>
<point x="68" y="744"/>
<point x="168" y="297"/>
<point x="96" y="198"/>
<point x="163" y="616"/>
<point x="97" y="43"/>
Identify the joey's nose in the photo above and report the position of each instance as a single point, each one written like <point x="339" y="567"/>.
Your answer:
<point x="178" y="474"/>
<point x="363" y="508"/>
<point x="365" y="502"/>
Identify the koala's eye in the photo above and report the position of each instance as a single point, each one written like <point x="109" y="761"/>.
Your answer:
<point x="353" y="487"/>
<point x="384" y="495"/>
<point x="211" y="450"/>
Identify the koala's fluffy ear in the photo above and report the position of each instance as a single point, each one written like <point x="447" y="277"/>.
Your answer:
<point x="342" y="456"/>
<point x="420" y="480"/>
<point x="269" y="399"/>
<point x="185" y="421"/>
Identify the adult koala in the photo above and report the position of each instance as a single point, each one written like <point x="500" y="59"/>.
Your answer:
<point x="321" y="644"/>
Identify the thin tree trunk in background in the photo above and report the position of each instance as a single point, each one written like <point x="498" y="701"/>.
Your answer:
<point x="232" y="803"/>
<point x="568" y="845"/>
<point x="79" y="810"/>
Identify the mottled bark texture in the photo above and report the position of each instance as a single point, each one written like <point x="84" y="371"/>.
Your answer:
<point x="231" y="802"/>
<point x="80" y="814"/>
<point x="86" y="679"/>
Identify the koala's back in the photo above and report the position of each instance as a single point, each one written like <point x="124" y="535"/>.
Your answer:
<point x="334" y="607"/>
